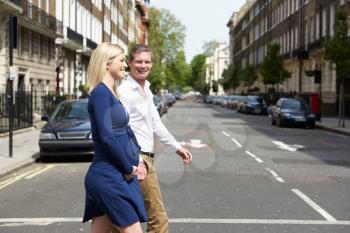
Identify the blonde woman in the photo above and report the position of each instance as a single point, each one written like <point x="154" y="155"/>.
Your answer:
<point x="113" y="195"/>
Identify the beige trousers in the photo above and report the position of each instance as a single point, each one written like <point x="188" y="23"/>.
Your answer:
<point x="157" y="216"/>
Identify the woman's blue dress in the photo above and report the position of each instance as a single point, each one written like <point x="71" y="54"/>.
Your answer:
<point x="116" y="150"/>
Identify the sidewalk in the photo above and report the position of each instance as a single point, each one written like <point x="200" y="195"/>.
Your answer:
<point x="331" y="124"/>
<point x="26" y="149"/>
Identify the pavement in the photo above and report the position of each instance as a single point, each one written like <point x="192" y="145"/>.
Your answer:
<point x="26" y="149"/>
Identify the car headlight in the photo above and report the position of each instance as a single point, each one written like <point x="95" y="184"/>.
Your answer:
<point x="286" y="115"/>
<point x="90" y="136"/>
<point x="311" y="115"/>
<point x="47" y="136"/>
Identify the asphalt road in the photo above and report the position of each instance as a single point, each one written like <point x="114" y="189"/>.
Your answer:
<point x="246" y="176"/>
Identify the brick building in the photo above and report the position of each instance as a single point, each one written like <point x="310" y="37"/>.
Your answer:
<point x="300" y="27"/>
<point x="56" y="38"/>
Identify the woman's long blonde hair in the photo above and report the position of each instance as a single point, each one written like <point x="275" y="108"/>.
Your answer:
<point x="103" y="54"/>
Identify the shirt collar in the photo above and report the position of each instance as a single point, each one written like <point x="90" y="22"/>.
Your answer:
<point x="134" y="84"/>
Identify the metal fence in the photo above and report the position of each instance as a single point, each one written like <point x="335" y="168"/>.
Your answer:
<point x="23" y="111"/>
<point x="29" y="106"/>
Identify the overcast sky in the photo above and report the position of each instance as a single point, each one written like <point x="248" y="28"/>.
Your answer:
<point x="205" y="20"/>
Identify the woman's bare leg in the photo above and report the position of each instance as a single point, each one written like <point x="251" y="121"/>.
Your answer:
<point x="101" y="224"/>
<point x="134" y="228"/>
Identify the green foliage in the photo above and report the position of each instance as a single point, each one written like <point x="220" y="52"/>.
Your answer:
<point x="248" y="75"/>
<point x="230" y="78"/>
<point x="338" y="48"/>
<point x="187" y="89"/>
<point x="272" y="69"/>
<point x="177" y="72"/>
<point x="198" y="73"/>
<point x="166" y="39"/>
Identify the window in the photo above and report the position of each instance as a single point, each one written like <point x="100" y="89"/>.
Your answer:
<point x="317" y="26"/>
<point x="324" y="23"/>
<point x="331" y="20"/>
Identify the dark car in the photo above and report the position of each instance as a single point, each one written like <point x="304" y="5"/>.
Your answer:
<point x="67" y="131"/>
<point x="159" y="103"/>
<point x="252" y="104"/>
<point x="292" y="111"/>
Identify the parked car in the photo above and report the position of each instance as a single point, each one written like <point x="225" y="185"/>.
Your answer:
<point x="67" y="131"/>
<point x="292" y="111"/>
<point x="233" y="100"/>
<point x="159" y="103"/>
<point x="252" y="104"/>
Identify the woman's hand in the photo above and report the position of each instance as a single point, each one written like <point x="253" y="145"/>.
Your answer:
<point x="128" y="177"/>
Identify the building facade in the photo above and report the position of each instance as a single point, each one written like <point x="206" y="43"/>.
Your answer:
<point x="215" y="65"/>
<point x="56" y="39"/>
<point x="300" y="27"/>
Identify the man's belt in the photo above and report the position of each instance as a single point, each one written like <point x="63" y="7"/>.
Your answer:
<point x="149" y="154"/>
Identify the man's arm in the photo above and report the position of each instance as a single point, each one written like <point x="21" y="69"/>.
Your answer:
<point x="162" y="133"/>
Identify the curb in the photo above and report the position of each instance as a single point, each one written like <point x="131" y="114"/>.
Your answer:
<point x="333" y="130"/>
<point x="19" y="165"/>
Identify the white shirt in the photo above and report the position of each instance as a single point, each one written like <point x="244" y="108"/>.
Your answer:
<point x="144" y="118"/>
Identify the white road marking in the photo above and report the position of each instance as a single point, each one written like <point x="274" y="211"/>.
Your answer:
<point x="275" y="175"/>
<point x="254" y="156"/>
<point x="226" y="134"/>
<point x="195" y="143"/>
<point x="315" y="206"/>
<point x="284" y="146"/>
<point x="236" y="142"/>
<point x="39" y="172"/>
<point x="46" y="221"/>
<point x="9" y="181"/>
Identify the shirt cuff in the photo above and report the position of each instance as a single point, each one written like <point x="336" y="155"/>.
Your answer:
<point x="176" y="146"/>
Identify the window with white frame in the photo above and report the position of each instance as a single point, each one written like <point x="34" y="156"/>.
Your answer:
<point x="317" y="26"/>
<point x="324" y="23"/>
<point x="331" y="19"/>
<point x="79" y="19"/>
<point x="312" y="29"/>
<point x="107" y="25"/>
<point x="72" y="15"/>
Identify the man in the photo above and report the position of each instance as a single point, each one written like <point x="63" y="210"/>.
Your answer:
<point x="145" y="122"/>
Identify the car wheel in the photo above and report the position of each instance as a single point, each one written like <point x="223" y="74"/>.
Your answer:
<point x="273" y="122"/>
<point x="279" y="122"/>
<point x="312" y="125"/>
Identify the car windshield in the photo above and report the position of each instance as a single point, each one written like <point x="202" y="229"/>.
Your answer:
<point x="294" y="104"/>
<point x="71" y="110"/>
<point x="254" y="99"/>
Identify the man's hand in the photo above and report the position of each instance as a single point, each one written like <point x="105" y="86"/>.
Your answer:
<point x="141" y="171"/>
<point x="185" y="155"/>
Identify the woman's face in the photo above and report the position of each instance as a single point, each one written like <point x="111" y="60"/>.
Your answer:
<point x="116" y="67"/>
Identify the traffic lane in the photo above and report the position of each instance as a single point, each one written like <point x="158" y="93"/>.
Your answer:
<point x="56" y="192"/>
<point x="320" y="164"/>
<point x="255" y="228"/>
<point x="235" y="187"/>
<point x="56" y="227"/>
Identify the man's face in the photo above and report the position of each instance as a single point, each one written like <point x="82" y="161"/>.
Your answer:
<point x="141" y="66"/>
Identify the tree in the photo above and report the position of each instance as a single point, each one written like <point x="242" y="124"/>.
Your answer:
<point x="249" y="76"/>
<point x="272" y="69"/>
<point x="209" y="47"/>
<point x="198" y="73"/>
<point x="338" y="52"/>
<point x="166" y="39"/>
<point x="178" y="72"/>
<point x="230" y="78"/>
